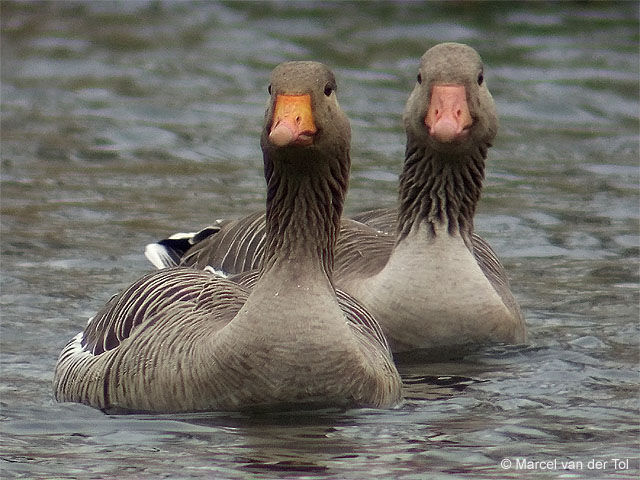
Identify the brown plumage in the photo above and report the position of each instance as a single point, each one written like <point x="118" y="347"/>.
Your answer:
<point x="182" y="339"/>
<point x="419" y="268"/>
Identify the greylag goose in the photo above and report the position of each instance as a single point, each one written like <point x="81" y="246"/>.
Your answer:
<point x="182" y="339"/>
<point x="420" y="269"/>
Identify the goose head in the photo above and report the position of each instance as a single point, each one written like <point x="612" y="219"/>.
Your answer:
<point x="450" y="109"/>
<point x="303" y="120"/>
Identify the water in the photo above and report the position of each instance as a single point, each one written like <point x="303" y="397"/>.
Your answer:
<point x="123" y="122"/>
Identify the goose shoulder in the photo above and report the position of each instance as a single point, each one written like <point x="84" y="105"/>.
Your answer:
<point x="382" y="219"/>
<point x="237" y="246"/>
<point x="361" y="251"/>
<point x="159" y="297"/>
<point x="495" y="273"/>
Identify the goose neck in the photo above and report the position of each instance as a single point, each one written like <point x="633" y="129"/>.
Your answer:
<point x="304" y="204"/>
<point x="440" y="191"/>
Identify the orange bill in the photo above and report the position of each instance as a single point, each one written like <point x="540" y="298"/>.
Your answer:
<point x="292" y="121"/>
<point x="448" y="116"/>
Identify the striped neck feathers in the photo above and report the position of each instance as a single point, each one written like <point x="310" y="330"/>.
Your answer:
<point x="305" y="197"/>
<point x="440" y="190"/>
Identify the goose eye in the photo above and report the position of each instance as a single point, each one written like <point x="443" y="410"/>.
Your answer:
<point x="328" y="88"/>
<point x="480" y="79"/>
<point x="269" y="89"/>
<point x="419" y="78"/>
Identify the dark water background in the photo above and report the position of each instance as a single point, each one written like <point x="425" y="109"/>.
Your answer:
<point x="124" y="122"/>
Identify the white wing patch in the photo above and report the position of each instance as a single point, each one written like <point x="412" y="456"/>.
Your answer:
<point x="158" y="256"/>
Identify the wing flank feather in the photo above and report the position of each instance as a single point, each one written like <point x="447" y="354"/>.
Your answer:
<point x="382" y="219"/>
<point x="488" y="261"/>
<point x="246" y="249"/>
<point x="236" y="247"/>
<point x="135" y="306"/>
<point x="362" y="321"/>
<point x="229" y="258"/>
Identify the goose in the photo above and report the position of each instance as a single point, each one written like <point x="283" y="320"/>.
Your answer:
<point x="433" y="284"/>
<point x="186" y="340"/>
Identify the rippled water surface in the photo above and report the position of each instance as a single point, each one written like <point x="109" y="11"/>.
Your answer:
<point x="124" y="122"/>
